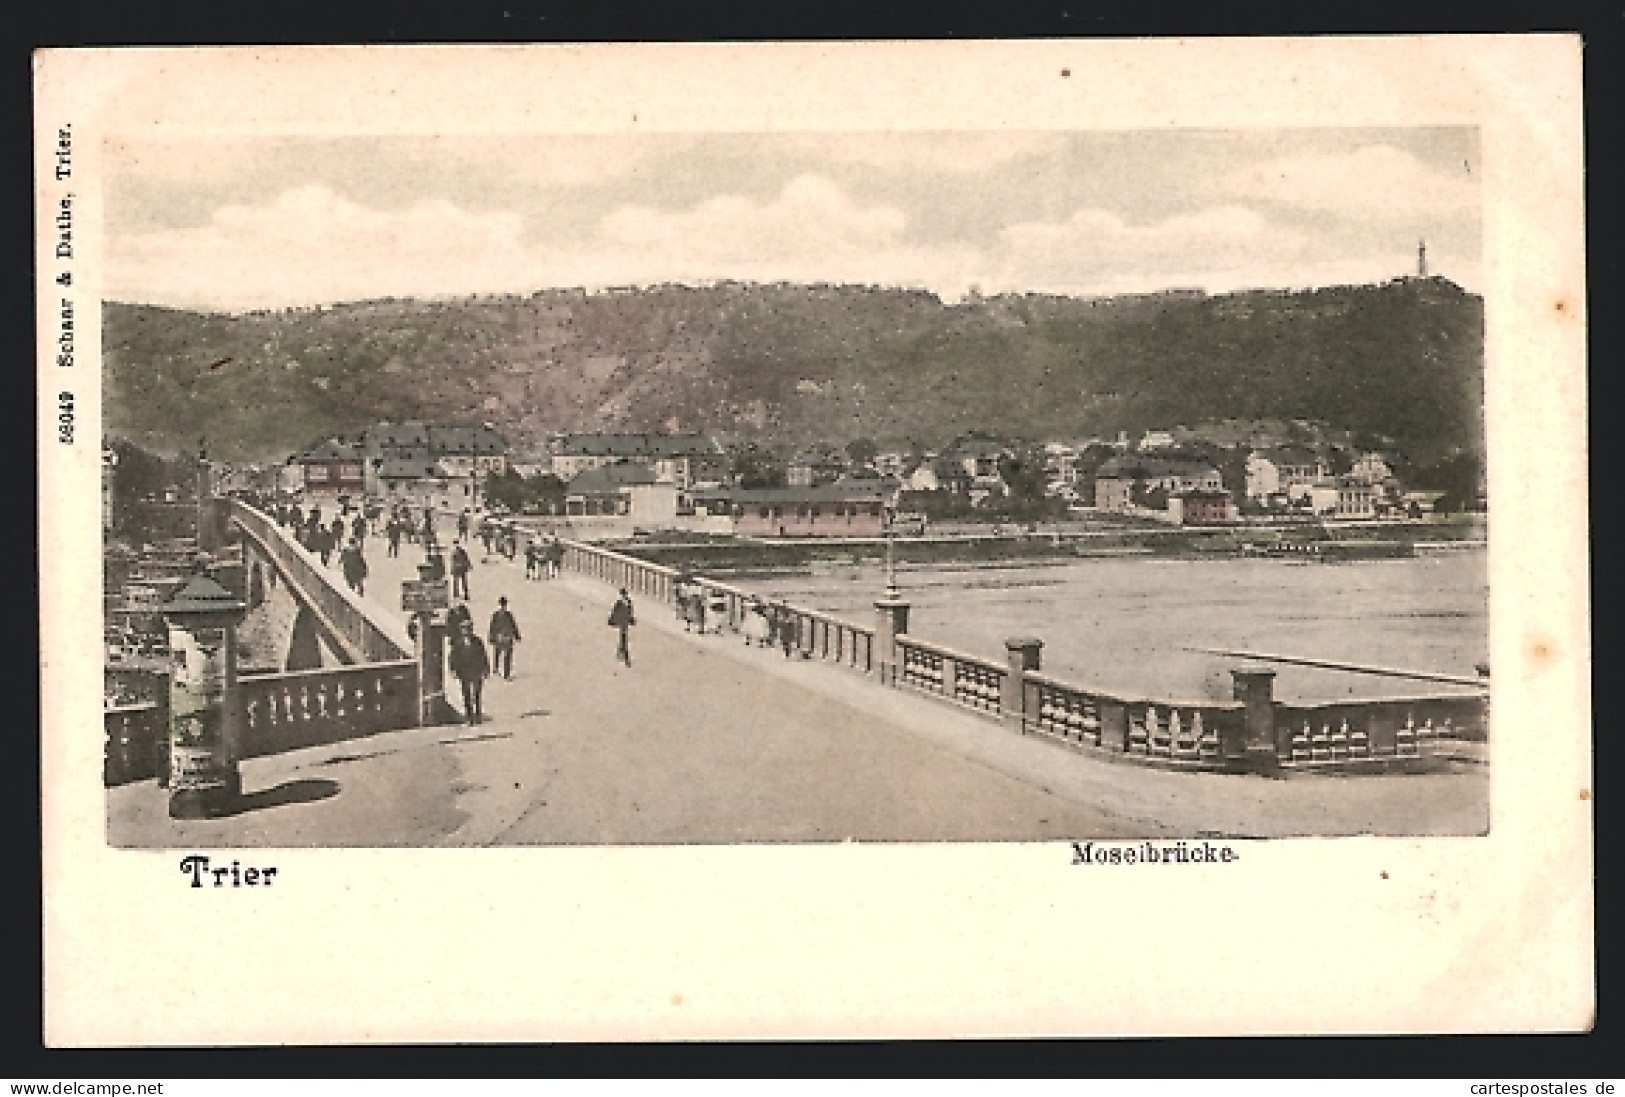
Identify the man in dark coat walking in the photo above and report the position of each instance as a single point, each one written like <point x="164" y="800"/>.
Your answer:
<point x="355" y="567"/>
<point x="503" y="634"/>
<point x="471" y="666"/>
<point x="621" y="617"/>
<point x="460" y="567"/>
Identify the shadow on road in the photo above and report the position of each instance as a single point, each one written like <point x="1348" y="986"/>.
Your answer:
<point x="305" y="791"/>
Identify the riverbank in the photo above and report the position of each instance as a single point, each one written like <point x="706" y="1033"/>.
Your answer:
<point x="1327" y="543"/>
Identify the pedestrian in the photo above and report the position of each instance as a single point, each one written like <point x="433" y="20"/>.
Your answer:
<point x="533" y="559"/>
<point x="681" y="602"/>
<point x="622" y="618"/>
<point x="393" y="531"/>
<point x="355" y="567"/>
<point x="510" y="542"/>
<point x="456" y="616"/>
<point x="504" y="634"/>
<point x="462" y="525"/>
<point x="758" y="629"/>
<point x="787" y="628"/>
<point x="697" y="608"/>
<point x="358" y="526"/>
<point x="460" y="567"/>
<point x="428" y="524"/>
<point x="324" y="544"/>
<point x="335" y="534"/>
<point x="471" y="666"/>
<point x="487" y="530"/>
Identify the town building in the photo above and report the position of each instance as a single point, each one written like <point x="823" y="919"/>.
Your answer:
<point x="686" y="460"/>
<point x="422" y="482"/>
<point x="1201" y="508"/>
<point x="978" y="456"/>
<point x="1342" y="497"/>
<point x="1119" y="478"/>
<point x="460" y="455"/>
<point x="1372" y="468"/>
<point x="1285" y="471"/>
<point x="623" y="490"/>
<point x="846" y="508"/>
<point x="814" y="466"/>
<point x="333" y="468"/>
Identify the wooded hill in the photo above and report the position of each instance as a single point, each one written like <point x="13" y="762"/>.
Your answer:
<point x="783" y="365"/>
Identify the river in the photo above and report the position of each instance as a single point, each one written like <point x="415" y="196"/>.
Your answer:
<point x="1125" y="624"/>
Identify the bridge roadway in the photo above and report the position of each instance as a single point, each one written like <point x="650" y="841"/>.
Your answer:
<point x="703" y="739"/>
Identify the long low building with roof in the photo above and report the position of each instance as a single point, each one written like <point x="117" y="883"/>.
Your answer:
<point x="846" y="508"/>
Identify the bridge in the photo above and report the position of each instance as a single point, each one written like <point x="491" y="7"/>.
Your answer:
<point x="853" y="730"/>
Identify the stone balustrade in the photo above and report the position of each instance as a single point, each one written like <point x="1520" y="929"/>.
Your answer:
<point x="297" y="709"/>
<point x="952" y="675"/>
<point x="814" y="634"/>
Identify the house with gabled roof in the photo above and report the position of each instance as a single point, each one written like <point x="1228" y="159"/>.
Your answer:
<point x="625" y="489"/>
<point x="333" y="467"/>
<point x="1118" y="478"/>
<point x="1288" y="471"/>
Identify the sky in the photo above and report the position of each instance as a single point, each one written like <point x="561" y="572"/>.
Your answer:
<point x="234" y="224"/>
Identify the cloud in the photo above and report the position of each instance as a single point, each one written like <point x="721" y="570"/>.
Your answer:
<point x="810" y="217"/>
<point x="311" y="245"/>
<point x="1372" y="179"/>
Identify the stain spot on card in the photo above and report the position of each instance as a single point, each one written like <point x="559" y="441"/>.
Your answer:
<point x="1541" y="653"/>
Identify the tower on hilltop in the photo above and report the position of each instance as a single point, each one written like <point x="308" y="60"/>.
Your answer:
<point x="1421" y="258"/>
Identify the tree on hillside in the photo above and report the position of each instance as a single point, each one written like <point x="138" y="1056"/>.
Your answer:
<point x="754" y="467"/>
<point x="862" y="450"/>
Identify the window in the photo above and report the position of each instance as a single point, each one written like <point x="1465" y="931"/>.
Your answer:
<point x="764" y="512"/>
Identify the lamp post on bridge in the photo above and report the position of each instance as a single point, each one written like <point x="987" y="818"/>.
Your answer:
<point x="891" y="613"/>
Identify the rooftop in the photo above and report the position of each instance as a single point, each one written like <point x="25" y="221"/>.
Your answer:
<point x="608" y="479"/>
<point x="638" y="445"/>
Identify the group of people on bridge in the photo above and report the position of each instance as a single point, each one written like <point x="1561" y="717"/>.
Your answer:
<point x="764" y="624"/>
<point x="343" y="539"/>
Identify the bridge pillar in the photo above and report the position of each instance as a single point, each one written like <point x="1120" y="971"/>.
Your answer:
<point x="1022" y="654"/>
<point x="891" y="621"/>
<point x="204" y="724"/>
<point x="1252" y="746"/>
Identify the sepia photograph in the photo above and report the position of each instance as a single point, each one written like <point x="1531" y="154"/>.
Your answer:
<point x="1001" y="477"/>
<point x="931" y="486"/>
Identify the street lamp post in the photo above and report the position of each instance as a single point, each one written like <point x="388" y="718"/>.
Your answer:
<point x="891" y="615"/>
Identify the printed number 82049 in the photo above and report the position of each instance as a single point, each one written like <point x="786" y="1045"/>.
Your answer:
<point x="64" y="418"/>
